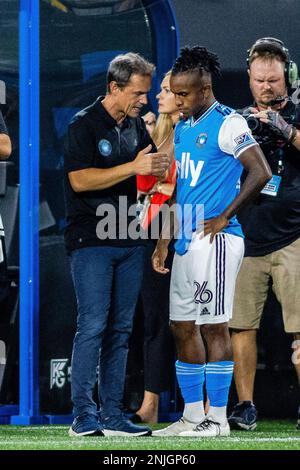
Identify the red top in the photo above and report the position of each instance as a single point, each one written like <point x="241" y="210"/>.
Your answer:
<point x="146" y="183"/>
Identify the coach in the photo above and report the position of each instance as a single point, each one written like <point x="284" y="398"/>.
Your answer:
<point x="107" y="146"/>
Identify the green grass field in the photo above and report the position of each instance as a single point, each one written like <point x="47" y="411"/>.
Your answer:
<point x="269" y="435"/>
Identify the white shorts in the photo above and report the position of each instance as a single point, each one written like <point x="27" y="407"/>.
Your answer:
<point x="203" y="279"/>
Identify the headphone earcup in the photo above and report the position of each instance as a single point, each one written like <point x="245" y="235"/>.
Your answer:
<point x="292" y="73"/>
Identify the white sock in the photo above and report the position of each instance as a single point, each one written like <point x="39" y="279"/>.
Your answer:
<point x="194" y="412"/>
<point x="217" y="414"/>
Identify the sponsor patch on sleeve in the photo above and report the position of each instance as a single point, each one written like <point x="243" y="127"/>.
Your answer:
<point x="242" y="141"/>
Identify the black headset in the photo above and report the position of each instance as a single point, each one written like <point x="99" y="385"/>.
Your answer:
<point x="277" y="46"/>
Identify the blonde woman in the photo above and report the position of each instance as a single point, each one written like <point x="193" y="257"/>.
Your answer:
<point x="158" y="343"/>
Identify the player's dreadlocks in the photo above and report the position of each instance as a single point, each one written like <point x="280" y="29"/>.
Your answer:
<point x="196" y="58"/>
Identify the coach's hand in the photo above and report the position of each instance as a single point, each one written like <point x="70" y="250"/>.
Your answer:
<point x="159" y="257"/>
<point x="155" y="164"/>
<point x="215" y="225"/>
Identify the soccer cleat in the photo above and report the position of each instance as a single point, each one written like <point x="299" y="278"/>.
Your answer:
<point x="85" y="425"/>
<point x="175" y="429"/>
<point x="298" y="420"/>
<point x="120" y="426"/>
<point x="243" y="416"/>
<point x="208" y="428"/>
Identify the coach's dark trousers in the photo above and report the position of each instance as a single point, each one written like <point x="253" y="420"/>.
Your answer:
<point x="107" y="281"/>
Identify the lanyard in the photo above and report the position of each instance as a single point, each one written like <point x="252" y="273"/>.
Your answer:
<point x="280" y="167"/>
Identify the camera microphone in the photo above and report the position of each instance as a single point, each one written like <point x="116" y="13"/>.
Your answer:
<point x="278" y="100"/>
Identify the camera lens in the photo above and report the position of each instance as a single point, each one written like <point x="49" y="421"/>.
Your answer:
<point x="254" y="124"/>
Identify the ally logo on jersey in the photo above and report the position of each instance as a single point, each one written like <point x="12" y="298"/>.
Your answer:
<point x="189" y="169"/>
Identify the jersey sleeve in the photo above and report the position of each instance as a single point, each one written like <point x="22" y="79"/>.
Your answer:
<point x="235" y="136"/>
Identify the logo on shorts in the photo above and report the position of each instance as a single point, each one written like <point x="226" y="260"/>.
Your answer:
<point x="205" y="312"/>
<point x="202" y="295"/>
<point x="201" y="140"/>
<point x="104" y="147"/>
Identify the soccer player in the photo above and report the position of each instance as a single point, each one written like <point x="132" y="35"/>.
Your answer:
<point x="213" y="145"/>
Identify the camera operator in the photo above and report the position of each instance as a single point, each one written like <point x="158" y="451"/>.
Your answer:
<point x="272" y="223"/>
<point x="5" y="151"/>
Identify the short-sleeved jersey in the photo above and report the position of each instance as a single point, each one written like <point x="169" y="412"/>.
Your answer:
<point x="208" y="168"/>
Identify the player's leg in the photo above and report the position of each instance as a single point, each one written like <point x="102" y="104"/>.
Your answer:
<point x="190" y="368"/>
<point x="219" y="370"/>
<point x="190" y="365"/>
<point x="215" y="284"/>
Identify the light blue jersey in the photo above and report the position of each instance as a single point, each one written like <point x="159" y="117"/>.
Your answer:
<point x="208" y="170"/>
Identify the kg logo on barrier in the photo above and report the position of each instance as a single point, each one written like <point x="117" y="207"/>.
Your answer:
<point x="59" y="373"/>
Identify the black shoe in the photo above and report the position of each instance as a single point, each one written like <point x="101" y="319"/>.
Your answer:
<point x="298" y="420"/>
<point x="243" y="416"/>
<point x="136" y="419"/>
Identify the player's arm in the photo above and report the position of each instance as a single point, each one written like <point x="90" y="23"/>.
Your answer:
<point x="235" y="138"/>
<point x="167" y="233"/>
<point x="258" y="174"/>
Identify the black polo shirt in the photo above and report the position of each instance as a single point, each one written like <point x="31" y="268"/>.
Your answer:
<point x="95" y="140"/>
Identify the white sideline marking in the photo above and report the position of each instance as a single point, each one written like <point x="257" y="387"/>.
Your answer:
<point x="98" y="440"/>
<point x="49" y="427"/>
<point x="262" y="439"/>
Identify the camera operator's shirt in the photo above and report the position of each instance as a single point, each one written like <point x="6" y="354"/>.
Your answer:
<point x="96" y="141"/>
<point x="273" y="222"/>
<point x="208" y="169"/>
